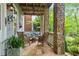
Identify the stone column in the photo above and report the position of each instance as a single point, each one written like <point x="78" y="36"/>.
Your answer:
<point x="42" y="24"/>
<point x="59" y="17"/>
<point x="46" y="20"/>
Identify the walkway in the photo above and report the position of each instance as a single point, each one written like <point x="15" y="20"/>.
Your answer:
<point x="36" y="49"/>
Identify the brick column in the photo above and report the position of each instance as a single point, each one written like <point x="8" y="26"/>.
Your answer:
<point x="59" y="17"/>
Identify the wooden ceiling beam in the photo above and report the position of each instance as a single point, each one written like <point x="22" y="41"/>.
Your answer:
<point x="33" y="13"/>
<point x="33" y="4"/>
<point x="27" y="7"/>
<point x="32" y="10"/>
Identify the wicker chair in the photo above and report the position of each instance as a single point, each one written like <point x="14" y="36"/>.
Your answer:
<point x="27" y="39"/>
<point x="43" y="39"/>
<point x="32" y="40"/>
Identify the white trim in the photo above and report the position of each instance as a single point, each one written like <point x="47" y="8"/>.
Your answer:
<point x="23" y="21"/>
<point x="3" y="27"/>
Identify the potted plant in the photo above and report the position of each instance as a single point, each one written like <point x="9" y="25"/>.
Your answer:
<point x="14" y="44"/>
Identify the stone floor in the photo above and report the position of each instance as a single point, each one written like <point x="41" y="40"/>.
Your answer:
<point x="36" y="49"/>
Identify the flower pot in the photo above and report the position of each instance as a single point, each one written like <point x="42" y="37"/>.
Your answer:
<point x="13" y="52"/>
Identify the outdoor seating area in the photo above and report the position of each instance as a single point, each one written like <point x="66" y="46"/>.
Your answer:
<point x="32" y="36"/>
<point x="36" y="36"/>
<point x="39" y="29"/>
<point x="17" y="27"/>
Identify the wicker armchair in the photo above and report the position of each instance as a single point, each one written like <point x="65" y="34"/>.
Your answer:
<point x="29" y="40"/>
<point x="26" y="39"/>
<point x="43" y="39"/>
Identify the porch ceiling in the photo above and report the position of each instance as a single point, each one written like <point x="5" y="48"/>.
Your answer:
<point x="34" y="8"/>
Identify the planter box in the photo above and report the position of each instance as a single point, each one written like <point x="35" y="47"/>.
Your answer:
<point x="13" y="52"/>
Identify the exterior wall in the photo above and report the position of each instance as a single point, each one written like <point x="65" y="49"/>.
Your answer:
<point x="3" y="28"/>
<point x="9" y="24"/>
<point x="27" y="23"/>
<point x="19" y="19"/>
<point x="4" y="32"/>
<point x="0" y="43"/>
<point x="0" y="29"/>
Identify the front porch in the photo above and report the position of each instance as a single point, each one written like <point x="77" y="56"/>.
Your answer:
<point x="49" y="45"/>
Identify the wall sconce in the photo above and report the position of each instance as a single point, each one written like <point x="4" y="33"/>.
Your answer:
<point x="10" y="13"/>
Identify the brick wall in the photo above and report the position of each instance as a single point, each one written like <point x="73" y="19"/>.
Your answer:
<point x="27" y="23"/>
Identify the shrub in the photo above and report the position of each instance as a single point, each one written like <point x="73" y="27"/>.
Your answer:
<point x="73" y="49"/>
<point x="69" y="41"/>
<point x="76" y="41"/>
<point x="72" y="45"/>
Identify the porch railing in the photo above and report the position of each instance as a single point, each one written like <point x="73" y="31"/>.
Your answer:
<point x="50" y="39"/>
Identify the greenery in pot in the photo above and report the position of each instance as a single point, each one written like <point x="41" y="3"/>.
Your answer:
<point x="15" y="42"/>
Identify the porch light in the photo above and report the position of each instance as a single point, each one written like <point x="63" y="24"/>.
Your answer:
<point x="11" y="8"/>
<point x="11" y="14"/>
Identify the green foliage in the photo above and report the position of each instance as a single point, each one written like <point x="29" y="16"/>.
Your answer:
<point x="71" y="18"/>
<point x="15" y="42"/>
<point x="51" y="20"/>
<point x="73" y="49"/>
<point x="69" y="40"/>
<point x="76" y="41"/>
<point x="72" y="45"/>
<point x="36" y="23"/>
